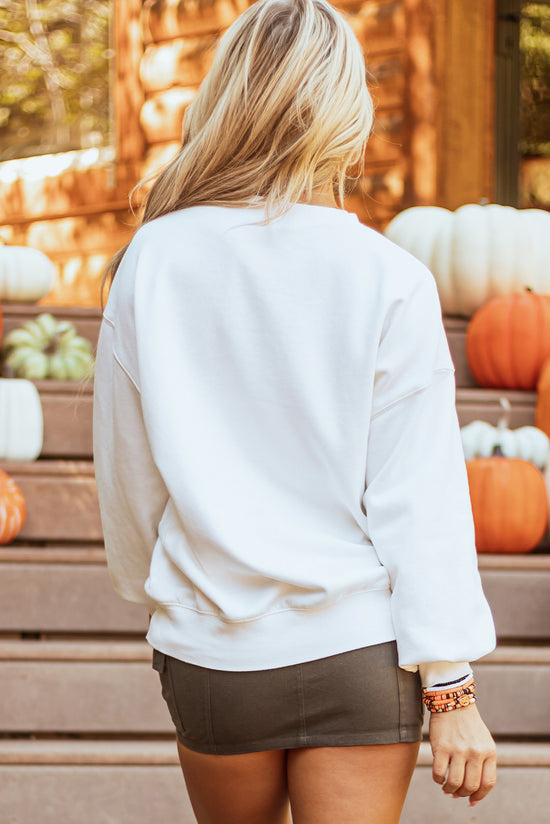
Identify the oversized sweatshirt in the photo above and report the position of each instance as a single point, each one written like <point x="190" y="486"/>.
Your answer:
<point x="277" y="452"/>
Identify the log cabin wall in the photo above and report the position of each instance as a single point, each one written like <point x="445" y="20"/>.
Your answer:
<point x="81" y="216"/>
<point x="431" y="143"/>
<point x="179" y="39"/>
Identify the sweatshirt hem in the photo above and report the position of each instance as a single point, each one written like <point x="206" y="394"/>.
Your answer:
<point x="279" y="639"/>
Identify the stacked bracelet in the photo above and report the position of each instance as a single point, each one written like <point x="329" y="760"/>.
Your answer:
<point x="445" y="700"/>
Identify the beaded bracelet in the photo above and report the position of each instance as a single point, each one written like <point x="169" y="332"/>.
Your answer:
<point x="445" y="701"/>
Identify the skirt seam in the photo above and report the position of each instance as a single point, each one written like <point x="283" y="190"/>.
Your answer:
<point x="208" y="712"/>
<point x="301" y="705"/>
<point x="398" y="699"/>
<point x="180" y="729"/>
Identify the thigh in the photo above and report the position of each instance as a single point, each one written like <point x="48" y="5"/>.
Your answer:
<point x="358" y="785"/>
<point x="236" y="789"/>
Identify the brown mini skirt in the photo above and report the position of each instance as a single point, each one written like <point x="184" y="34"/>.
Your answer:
<point x="354" y="698"/>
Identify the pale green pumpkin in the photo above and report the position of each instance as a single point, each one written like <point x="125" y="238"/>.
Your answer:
<point x="47" y="348"/>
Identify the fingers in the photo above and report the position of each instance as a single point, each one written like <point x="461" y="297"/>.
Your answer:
<point x="488" y="780"/>
<point x="466" y="775"/>
<point x="464" y="754"/>
<point x="440" y="765"/>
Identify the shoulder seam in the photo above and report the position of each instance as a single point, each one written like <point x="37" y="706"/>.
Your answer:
<point x="417" y="391"/>
<point x="110" y="322"/>
<point x="126" y="372"/>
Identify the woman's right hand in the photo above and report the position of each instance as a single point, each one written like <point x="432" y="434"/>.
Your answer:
<point x="464" y="753"/>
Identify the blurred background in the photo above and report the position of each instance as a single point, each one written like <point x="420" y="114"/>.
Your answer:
<point x="92" y="96"/>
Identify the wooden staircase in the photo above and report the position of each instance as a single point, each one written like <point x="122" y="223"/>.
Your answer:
<point x="85" y="736"/>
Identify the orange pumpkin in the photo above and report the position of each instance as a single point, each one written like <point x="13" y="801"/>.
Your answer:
<point x="508" y="341"/>
<point x="509" y="504"/>
<point x="12" y="509"/>
<point x="542" y="411"/>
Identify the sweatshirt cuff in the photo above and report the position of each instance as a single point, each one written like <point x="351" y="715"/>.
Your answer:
<point x="442" y="673"/>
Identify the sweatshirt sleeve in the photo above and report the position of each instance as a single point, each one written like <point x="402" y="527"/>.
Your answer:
<point x="132" y="494"/>
<point x="417" y="501"/>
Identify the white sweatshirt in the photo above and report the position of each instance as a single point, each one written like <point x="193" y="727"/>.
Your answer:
<point x="277" y="452"/>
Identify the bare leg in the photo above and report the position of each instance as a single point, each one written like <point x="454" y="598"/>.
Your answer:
<point x="355" y="785"/>
<point x="237" y="789"/>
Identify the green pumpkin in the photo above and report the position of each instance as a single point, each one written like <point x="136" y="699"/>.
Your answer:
<point x="47" y="348"/>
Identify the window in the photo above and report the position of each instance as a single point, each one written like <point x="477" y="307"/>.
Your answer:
<point x="523" y="103"/>
<point x="535" y="105"/>
<point x="55" y="63"/>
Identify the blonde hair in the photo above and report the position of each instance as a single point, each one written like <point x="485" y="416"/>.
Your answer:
<point x="283" y="111"/>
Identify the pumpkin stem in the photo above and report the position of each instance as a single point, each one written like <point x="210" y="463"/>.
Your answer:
<point x="53" y="345"/>
<point x="505" y="416"/>
<point x="501" y="427"/>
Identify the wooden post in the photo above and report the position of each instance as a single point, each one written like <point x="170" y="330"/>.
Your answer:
<point x="450" y="101"/>
<point x="465" y="59"/>
<point x="128" y="92"/>
<point x="421" y="181"/>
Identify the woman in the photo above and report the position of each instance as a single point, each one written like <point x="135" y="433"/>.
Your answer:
<point x="278" y="459"/>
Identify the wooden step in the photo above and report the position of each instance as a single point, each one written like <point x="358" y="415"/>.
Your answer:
<point x="92" y="782"/>
<point x="68" y="414"/>
<point x="484" y="405"/>
<point x="91" y="687"/>
<point x="513" y="684"/>
<point x="110" y="687"/>
<point x="61" y="499"/>
<point x="63" y="596"/>
<point x="136" y="782"/>
<point x="87" y="322"/>
<point x="518" y="590"/>
<point x="67" y="589"/>
<point x="88" y="752"/>
<point x="67" y="407"/>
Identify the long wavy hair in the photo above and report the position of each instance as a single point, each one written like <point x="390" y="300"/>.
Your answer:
<point x="284" y="111"/>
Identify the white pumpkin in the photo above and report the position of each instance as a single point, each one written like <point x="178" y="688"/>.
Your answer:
<point x="21" y="420"/>
<point x="478" y="252"/>
<point x="26" y="275"/>
<point x="479" y="439"/>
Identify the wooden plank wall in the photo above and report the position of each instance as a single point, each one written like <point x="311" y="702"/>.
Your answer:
<point x="463" y="33"/>
<point x="80" y="217"/>
<point x="178" y="51"/>
<point x="431" y="142"/>
<point x="380" y="26"/>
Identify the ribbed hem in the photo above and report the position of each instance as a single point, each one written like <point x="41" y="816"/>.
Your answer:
<point x="279" y="639"/>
